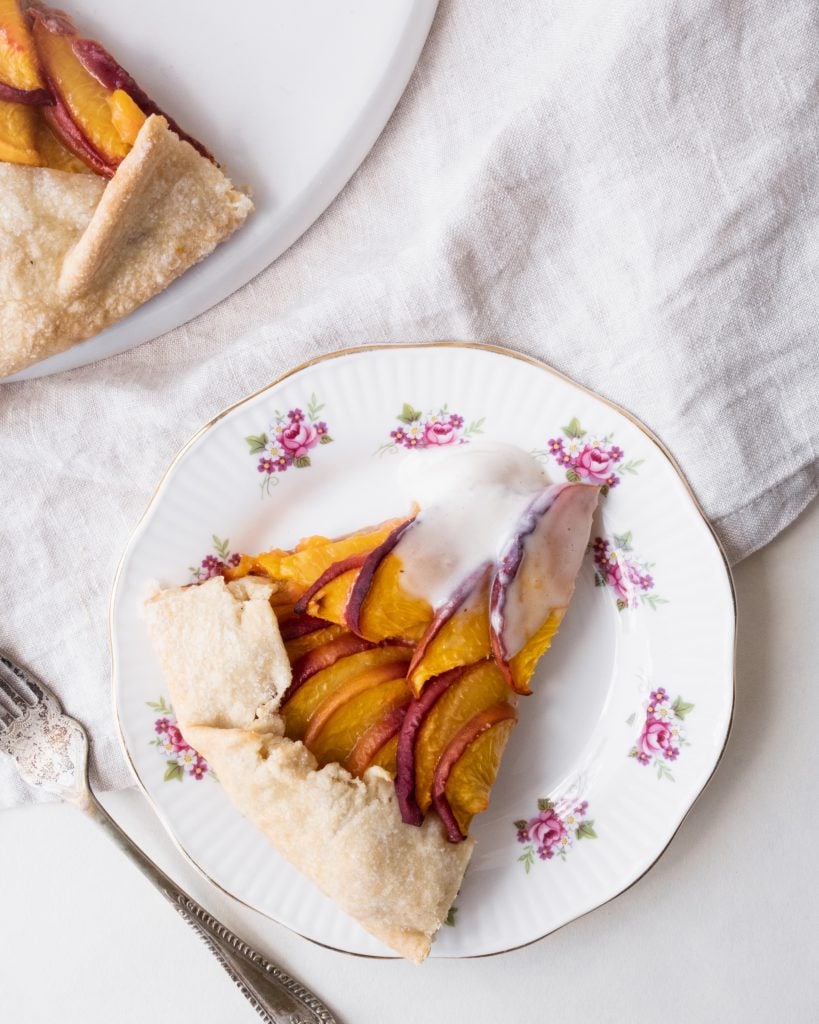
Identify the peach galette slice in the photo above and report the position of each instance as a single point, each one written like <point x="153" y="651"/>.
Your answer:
<point x="337" y="702"/>
<point x="77" y="256"/>
<point x="227" y="672"/>
<point x="380" y="677"/>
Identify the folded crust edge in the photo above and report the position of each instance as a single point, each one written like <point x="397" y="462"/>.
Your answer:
<point x="221" y="653"/>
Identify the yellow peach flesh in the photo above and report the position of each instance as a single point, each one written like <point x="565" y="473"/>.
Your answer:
<point x="19" y="67"/>
<point x="86" y="100"/>
<point x="18" y="134"/>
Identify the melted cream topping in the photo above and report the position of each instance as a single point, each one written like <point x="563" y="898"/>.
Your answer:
<point x="471" y="498"/>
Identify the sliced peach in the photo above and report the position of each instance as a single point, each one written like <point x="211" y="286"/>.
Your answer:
<point x="473" y="775"/>
<point x="300" y="645"/>
<point x="347" y="568"/>
<point x="98" y="61"/>
<point x="97" y="104"/>
<point x="61" y="124"/>
<point x="479" y="687"/>
<point x="283" y="611"/>
<point x="314" y="540"/>
<point x="320" y="657"/>
<point x="352" y="709"/>
<point x="81" y="115"/>
<point x="523" y="664"/>
<point x="535" y="577"/>
<point x="370" y="746"/>
<point x="18" y="134"/>
<point x="378" y="607"/>
<point x="293" y="626"/>
<point x="54" y="154"/>
<point x="417" y="711"/>
<point x="298" y="710"/>
<point x="20" y="79"/>
<point x="236" y="572"/>
<point x="388" y="610"/>
<point x="469" y="785"/>
<point x="297" y="570"/>
<point x="459" y="633"/>
<point x="387" y="756"/>
<point x="330" y="600"/>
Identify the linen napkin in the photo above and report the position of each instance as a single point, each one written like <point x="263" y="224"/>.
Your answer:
<point x="627" y="190"/>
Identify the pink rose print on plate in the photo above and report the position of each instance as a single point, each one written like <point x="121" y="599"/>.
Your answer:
<point x="215" y="563"/>
<point x="298" y="437"/>
<point x="288" y="441"/>
<point x="589" y="458"/>
<point x="554" y="830"/>
<point x="430" y="430"/>
<point x="663" y="733"/>
<point x="180" y="757"/>
<point x="617" y="566"/>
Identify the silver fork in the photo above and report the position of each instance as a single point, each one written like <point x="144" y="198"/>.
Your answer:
<point x="50" y="750"/>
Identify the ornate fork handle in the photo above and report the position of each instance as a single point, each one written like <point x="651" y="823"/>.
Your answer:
<point x="277" y="998"/>
<point x="50" y="750"/>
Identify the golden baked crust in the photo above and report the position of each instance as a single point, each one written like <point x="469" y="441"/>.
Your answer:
<point x="77" y="255"/>
<point x="165" y="209"/>
<point x="43" y="213"/>
<point x="222" y="655"/>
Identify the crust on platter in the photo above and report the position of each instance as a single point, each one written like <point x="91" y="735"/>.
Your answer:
<point x="223" y="658"/>
<point x="76" y="255"/>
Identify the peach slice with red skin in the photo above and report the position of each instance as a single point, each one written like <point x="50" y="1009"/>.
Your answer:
<point x="331" y="599"/>
<point x="292" y="627"/>
<point x="54" y="154"/>
<point x="311" y="598"/>
<point x="300" y="645"/>
<point x="20" y="78"/>
<point x="372" y="742"/>
<point x="378" y="606"/>
<point x="387" y="756"/>
<point x="97" y="108"/>
<point x="417" y="710"/>
<point x="447" y="704"/>
<point x="458" y="634"/>
<point x="457" y="748"/>
<point x="366" y="575"/>
<point x="470" y="782"/>
<point x="479" y="687"/>
<point x="388" y="610"/>
<point x="295" y="571"/>
<point x="99" y="62"/>
<point x="81" y="114"/>
<point x="535" y="577"/>
<point x="322" y="657"/>
<point x="352" y="709"/>
<point x="347" y="692"/>
<point x="300" y="708"/>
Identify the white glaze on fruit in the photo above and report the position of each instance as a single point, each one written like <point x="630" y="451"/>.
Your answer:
<point x="472" y="497"/>
<point x="537" y="570"/>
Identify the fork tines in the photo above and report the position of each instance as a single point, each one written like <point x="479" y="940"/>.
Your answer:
<point x="20" y="691"/>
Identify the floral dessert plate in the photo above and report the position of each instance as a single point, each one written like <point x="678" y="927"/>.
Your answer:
<point x="631" y="706"/>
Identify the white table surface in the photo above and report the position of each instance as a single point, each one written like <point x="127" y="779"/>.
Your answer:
<point x="724" y="928"/>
